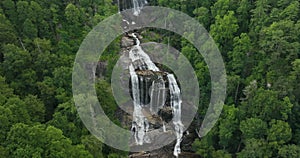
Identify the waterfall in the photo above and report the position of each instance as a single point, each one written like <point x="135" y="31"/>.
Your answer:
<point x="164" y="127"/>
<point x="137" y="54"/>
<point x="175" y="101"/>
<point x="157" y="95"/>
<point x="140" y="125"/>
<point x="136" y="5"/>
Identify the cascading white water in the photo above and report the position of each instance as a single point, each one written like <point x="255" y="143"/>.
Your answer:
<point x="140" y="126"/>
<point x="139" y="85"/>
<point x="175" y="101"/>
<point x="157" y="95"/>
<point x="137" y="6"/>
<point x="137" y="54"/>
<point x="164" y="127"/>
<point x="140" y="123"/>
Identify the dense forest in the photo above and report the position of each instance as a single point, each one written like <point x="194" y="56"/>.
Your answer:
<point x="259" y="41"/>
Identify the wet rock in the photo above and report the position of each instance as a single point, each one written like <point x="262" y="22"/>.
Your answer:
<point x="150" y="73"/>
<point x="166" y="113"/>
<point x="127" y="42"/>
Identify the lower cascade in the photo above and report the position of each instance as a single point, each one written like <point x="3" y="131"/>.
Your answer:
<point x="140" y="61"/>
<point x="176" y="110"/>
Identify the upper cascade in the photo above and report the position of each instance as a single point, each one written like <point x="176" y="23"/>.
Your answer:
<point x="144" y="61"/>
<point x="135" y="5"/>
